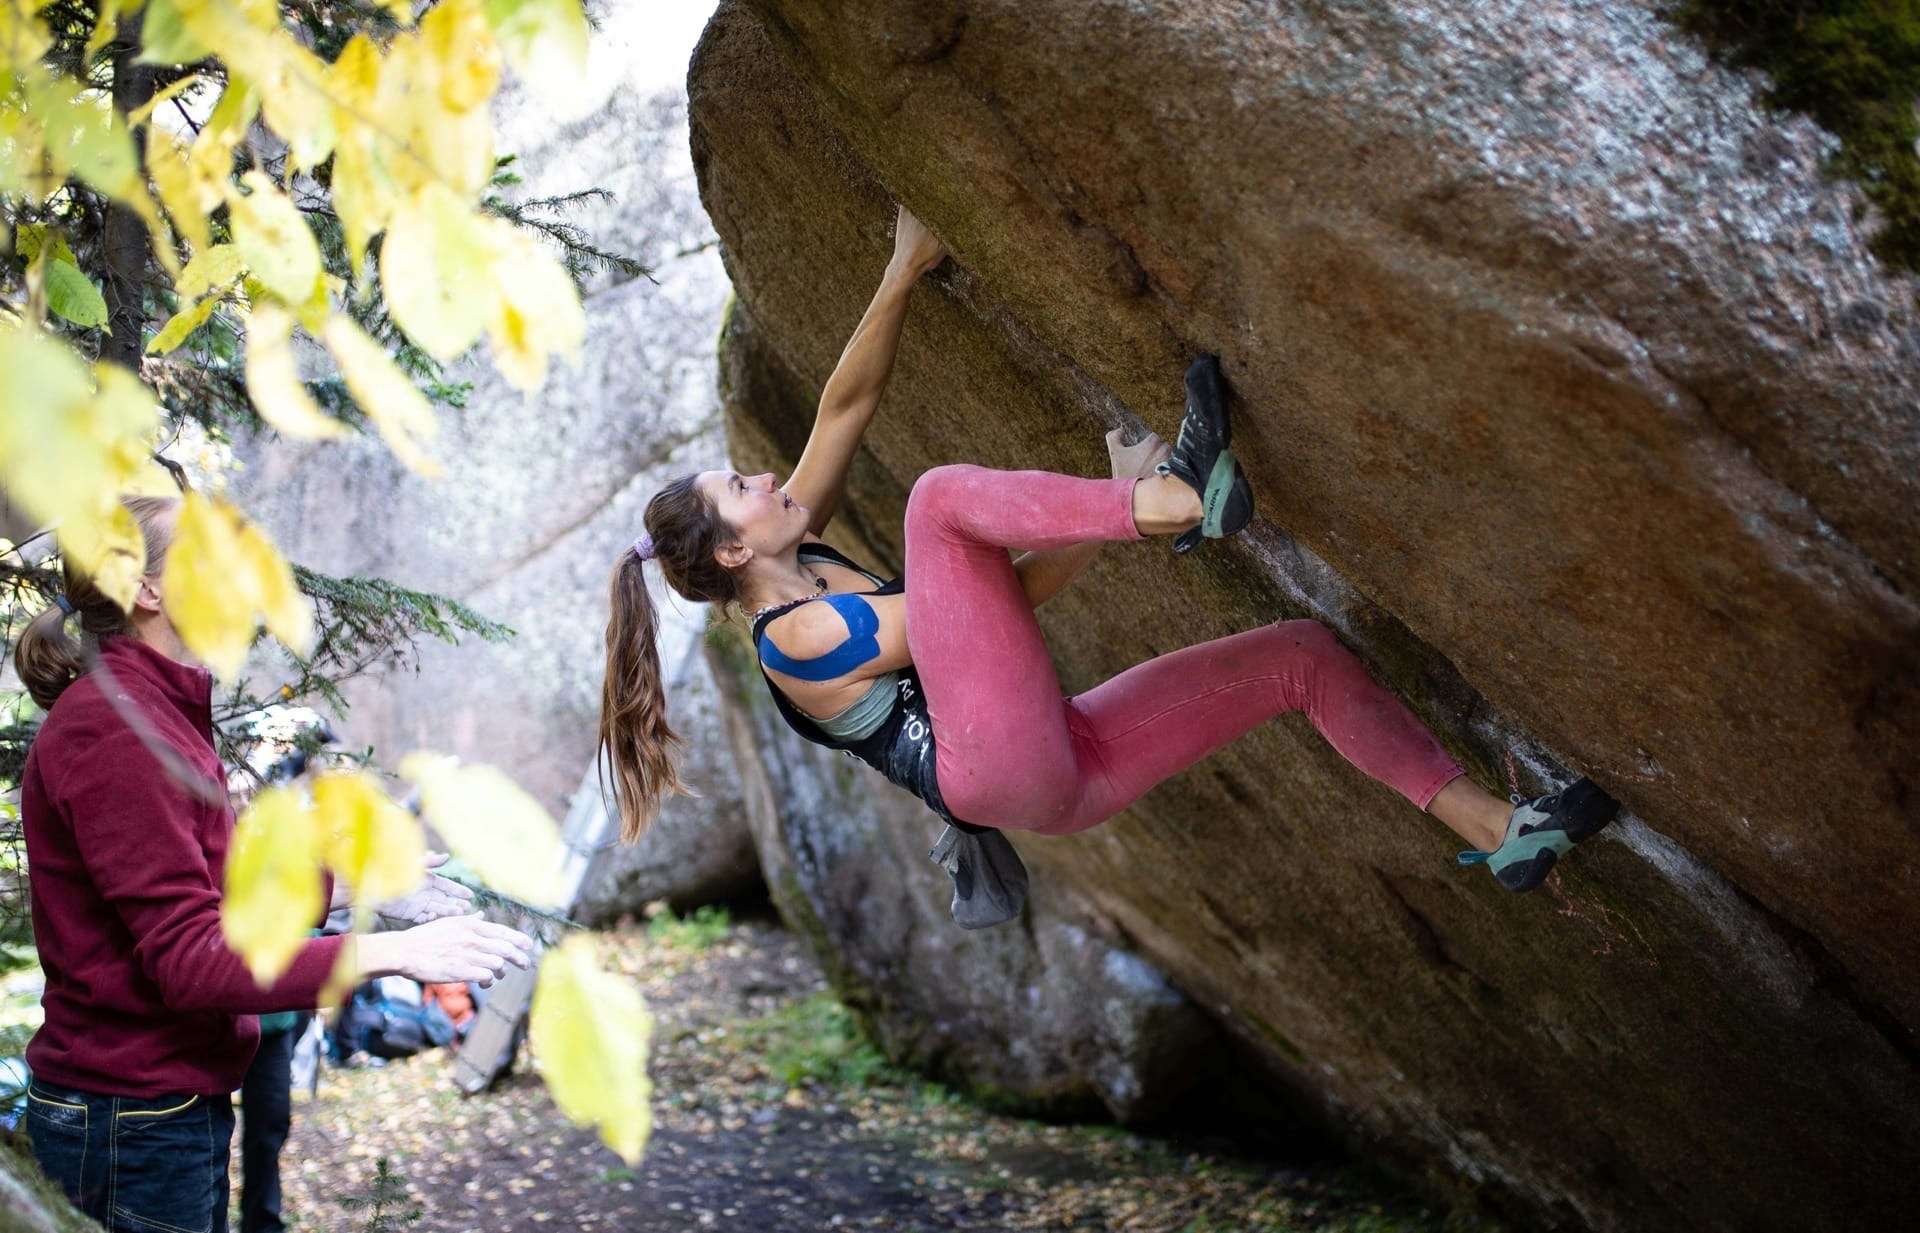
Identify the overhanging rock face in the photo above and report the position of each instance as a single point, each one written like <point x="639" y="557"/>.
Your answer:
<point x="1573" y="401"/>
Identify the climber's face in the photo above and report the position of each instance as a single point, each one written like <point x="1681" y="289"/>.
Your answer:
<point x="765" y="520"/>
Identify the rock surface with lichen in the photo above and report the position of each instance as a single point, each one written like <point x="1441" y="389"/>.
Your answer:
<point x="1574" y="402"/>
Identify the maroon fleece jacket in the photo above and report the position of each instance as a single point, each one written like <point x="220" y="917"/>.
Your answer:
<point x="143" y="996"/>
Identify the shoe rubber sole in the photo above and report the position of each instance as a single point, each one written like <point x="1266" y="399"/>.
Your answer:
<point x="1226" y="498"/>
<point x="1523" y="862"/>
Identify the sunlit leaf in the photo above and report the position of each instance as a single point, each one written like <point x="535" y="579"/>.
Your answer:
<point x="363" y="195"/>
<point x="182" y="324"/>
<point x="216" y="265"/>
<point x="180" y="190"/>
<point x="187" y="83"/>
<point x="395" y="405"/>
<point x="24" y="38"/>
<point x="195" y="179"/>
<point x="29" y="238"/>
<point x="73" y="296"/>
<point x="371" y="842"/>
<point x="273" y="378"/>
<point x="458" y="39"/>
<point x="535" y="313"/>
<point x="592" y="1031"/>
<point x="294" y="101"/>
<point x="221" y="577"/>
<point x="107" y="546"/>
<point x="273" y="882"/>
<point x="70" y="441"/>
<point x="106" y="25"/>
<point x="434" y="270"/>
<point x="544" y="40"/>
<point x="438" y="145"/>
<point x="491" y="823"/>
<point x="274" y="239"/>
<point x="165" y="39"/>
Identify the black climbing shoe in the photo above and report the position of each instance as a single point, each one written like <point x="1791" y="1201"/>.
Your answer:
<point x="1203" y="457"/>
<point x="1540" y="832"/>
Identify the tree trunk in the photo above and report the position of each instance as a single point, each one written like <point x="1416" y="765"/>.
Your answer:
<point x="126" y="249"/>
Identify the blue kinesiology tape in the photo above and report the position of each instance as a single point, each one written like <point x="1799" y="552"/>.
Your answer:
<point x="860" y="647"/>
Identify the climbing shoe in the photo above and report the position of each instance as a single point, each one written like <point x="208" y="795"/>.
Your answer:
<point x="1540" y="832"/>
<point x="1203" y="458"/>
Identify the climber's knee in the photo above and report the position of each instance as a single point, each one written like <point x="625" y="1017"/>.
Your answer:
<point x="941" y="491"/>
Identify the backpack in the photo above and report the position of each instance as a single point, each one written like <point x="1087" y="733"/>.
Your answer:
<point x="386" y="1023"/>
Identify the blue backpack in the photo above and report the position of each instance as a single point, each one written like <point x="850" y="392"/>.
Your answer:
<point x="388" y="1027"/>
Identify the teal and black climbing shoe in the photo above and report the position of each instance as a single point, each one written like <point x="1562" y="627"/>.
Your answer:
<point x="1203" y="457"/>
<point x="1540" y="832"/>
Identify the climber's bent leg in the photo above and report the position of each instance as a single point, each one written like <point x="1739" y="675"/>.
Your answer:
<point x="1157" y="719"/>
<point x="1005" y="754"/>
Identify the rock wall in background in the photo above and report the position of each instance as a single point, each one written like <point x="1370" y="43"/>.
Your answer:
<point x="538" y="497"/>
<point x="1573" y="402"/>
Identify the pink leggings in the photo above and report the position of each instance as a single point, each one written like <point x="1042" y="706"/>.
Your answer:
<point x="1014" y="754"/>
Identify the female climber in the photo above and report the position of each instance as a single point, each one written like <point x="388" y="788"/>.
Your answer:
<point x="941" y="680"/>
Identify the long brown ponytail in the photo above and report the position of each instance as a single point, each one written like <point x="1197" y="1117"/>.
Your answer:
<point x="641" y="746"/>
<point x="48" y="657"/>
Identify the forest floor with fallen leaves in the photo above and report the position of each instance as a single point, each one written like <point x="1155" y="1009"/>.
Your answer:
<point x="772" y="1115"/>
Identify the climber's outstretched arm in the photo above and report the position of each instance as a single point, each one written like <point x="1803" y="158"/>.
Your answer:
<point x="853" y="392"/>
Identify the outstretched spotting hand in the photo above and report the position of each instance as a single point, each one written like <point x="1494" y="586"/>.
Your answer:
<point x="449" y="950"/>
<point x="434" y="898"/>
<point x="1138" y="460"/>
<point x="915" y="251"/>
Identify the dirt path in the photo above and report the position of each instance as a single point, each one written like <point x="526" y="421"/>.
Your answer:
<point x="771" y="1116"/>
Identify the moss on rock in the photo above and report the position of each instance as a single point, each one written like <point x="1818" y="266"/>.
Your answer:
<point x="1853" y="66"/>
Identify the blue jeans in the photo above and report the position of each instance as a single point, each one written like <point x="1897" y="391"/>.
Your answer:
<point x="136" y="1164"/>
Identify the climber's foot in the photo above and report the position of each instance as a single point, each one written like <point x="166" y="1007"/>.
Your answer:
<point x="1541" y="831"/>
<point x="1203" y="458"/>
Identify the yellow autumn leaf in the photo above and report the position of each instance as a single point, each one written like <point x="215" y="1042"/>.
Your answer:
<point x="171" y="170"/>
<point x="213" y="267"/>
<point x="70" y="442"/>
<point x="273" y="378"/>
<point x="221" y="577"/>
<point x="109" y="549"/>
<point x="273" y="882"/>
<point x="545" y="41"/>
<point x="363" y="194"/>
<point x="287" y="614"/>
<point x="432" y="143"/>
<point x="592" y="1031"/>
<point x="457" y="38"/>
<point x="165" y="37"/>
<point x="434" y="270"/>
<point x="294" y="100"/>
<point x="370" y="841"/>
<point x="24" y="38"/>
<point x="105" y="26"/>
<point x="535" y="313"/>
<point x="274" y="239"/>
<point x="491" y="823"/>
<point x="396" y="406"/>
<point x="70" y="130"/>
<point x="194" y="179"/>
<point x="182" y="324"/>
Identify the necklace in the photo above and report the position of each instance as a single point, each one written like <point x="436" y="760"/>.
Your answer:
<point x="820" y="588"/>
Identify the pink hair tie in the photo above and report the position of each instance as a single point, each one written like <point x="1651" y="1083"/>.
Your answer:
<point x="643" y="547"/>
